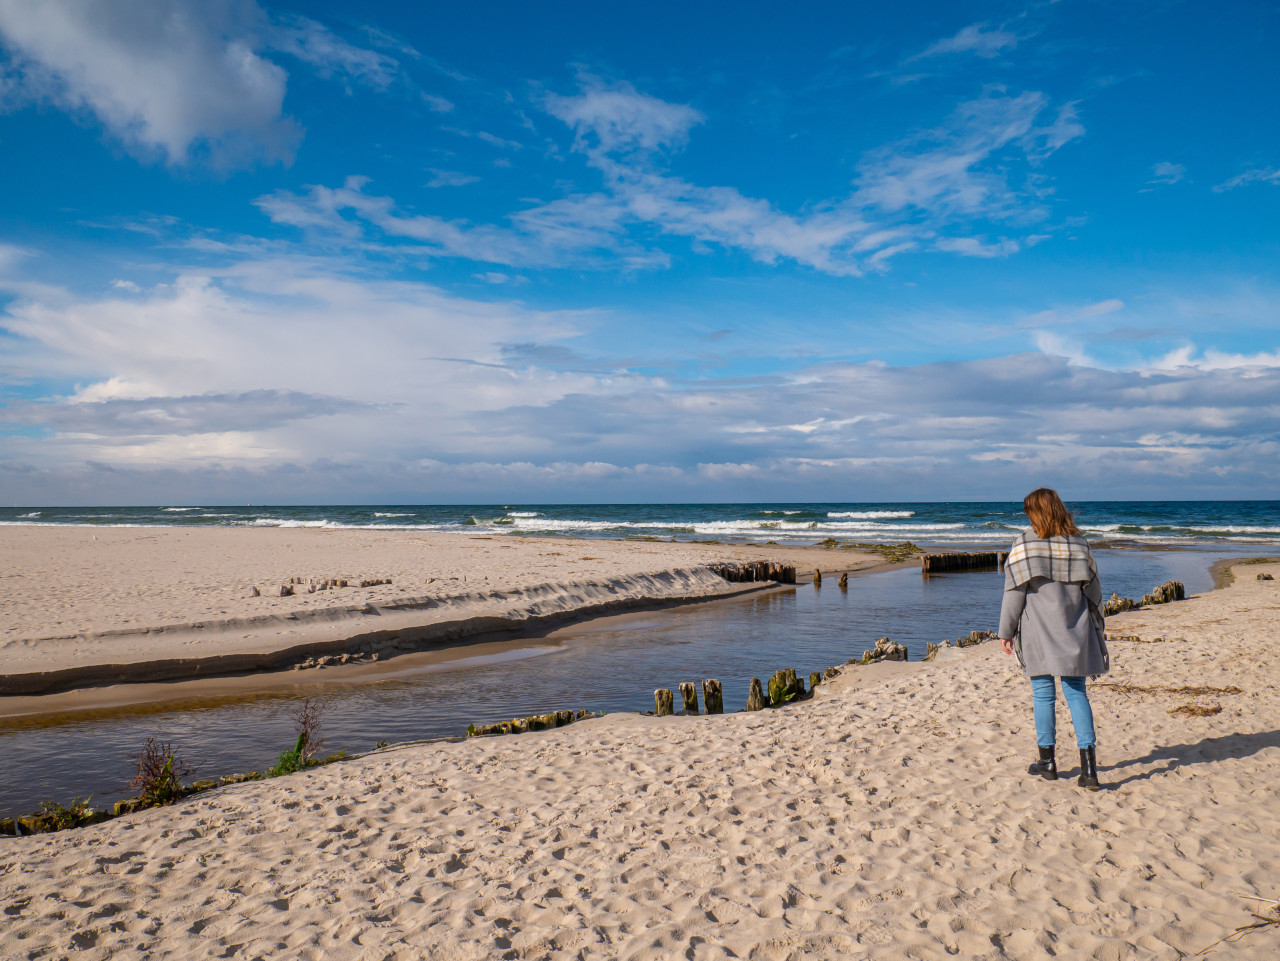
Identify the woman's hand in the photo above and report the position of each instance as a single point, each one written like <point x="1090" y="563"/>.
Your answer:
<point x="1006" y="644"/>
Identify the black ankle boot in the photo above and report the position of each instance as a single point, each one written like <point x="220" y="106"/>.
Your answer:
<point x="1047" y="766"/>
<point x="1088" y="770"/>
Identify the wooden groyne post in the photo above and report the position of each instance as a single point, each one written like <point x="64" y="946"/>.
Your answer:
<point x="756" y="571"/>
<point x="962" y="561"/>
<point x="689" y="694"/>
<point x="663" y="702"/>
<point x="712" y="696"/>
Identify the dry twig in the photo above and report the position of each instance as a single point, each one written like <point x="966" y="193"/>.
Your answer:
<point x="1263" y="921"/>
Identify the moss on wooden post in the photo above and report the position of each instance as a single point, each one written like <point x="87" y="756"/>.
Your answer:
<point x="689" y="694"/>
<point x="663" y="702"/>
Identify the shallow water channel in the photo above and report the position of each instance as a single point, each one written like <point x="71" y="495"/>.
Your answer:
<point x="611" y="664"/>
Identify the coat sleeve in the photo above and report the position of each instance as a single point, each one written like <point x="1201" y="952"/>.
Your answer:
<point x="1093" y="595"/>
<point x="1015" y="599"/>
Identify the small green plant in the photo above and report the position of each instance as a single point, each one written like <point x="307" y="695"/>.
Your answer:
<point x="160" y="773"/>
<point x="306" y="721"/>
<point x="73" y="815"/>
<point x="291" y="761"/>
<point x="828" y="543"/>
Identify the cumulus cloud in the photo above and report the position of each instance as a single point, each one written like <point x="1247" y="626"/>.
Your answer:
<point x="177" y="79"/>
<point x="164" y="76"/>
<point x="234" y="381"/>
<point x="242" y="350"/>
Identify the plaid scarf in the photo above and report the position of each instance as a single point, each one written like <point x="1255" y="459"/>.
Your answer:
<point x="1066" y="559"/>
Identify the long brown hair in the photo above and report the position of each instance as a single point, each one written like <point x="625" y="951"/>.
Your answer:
<point x="1048" y="515"/>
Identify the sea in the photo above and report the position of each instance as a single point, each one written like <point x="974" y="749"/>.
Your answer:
<point x="1122" y="523"/>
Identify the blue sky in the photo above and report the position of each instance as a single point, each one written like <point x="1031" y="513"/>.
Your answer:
<point x="573" y="252"/>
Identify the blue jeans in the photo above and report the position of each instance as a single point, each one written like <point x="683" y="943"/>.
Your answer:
<point x="1073" y="692"/>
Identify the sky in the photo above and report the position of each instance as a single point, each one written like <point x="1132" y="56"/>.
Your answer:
<point x="263" y="252"/>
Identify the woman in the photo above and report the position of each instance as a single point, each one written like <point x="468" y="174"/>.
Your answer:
<point x="1051" y="618"/>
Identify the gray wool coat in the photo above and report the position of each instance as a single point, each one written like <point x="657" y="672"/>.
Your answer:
<point x="1053" y="628"/>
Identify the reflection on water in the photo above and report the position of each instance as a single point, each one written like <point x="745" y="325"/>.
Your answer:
<point x="609" y="665"/>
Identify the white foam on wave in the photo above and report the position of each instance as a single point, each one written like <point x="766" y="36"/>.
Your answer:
<point x="32" y="514"/>
<point x="390" y="514"/>
<point x="870" y="515"/>
<point x="21" y="523"/>
<point x="286" y="522"/>
<point x="523" y="514"/>
<point x="734" y="527"/>
<point x="1230" y="529"/>
<point x="178" y="510"/>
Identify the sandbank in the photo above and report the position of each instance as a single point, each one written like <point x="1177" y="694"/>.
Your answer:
<point x="888" y="818"/>
<point x="92" y="606"/>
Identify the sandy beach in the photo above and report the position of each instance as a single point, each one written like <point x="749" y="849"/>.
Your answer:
<point x="890" y="817"/>
<point x="86" y="606"/>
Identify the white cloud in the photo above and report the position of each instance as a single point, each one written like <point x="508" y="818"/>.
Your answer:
<point x="972" y="39"/>
<point x="293" y="354"/>
<point x="332" y="56"/>
<point x="1256" y="175"/>
<point x="450" y="178"/>
<point x="928" y="191"/>
<point x="619" y="119"/>
<point x="1210" y="359"/>
<point x="241" y="379"/>
<point x="570" y="231"/>
<point x="178" y="79"/>
<point x="973" y="247"/>
<point x="1165" y="173"/>
<point x="946" y="171"/>
<point x="164" y="76"/>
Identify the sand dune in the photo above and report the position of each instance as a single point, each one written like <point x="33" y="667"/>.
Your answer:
<point x="888" y="818"/>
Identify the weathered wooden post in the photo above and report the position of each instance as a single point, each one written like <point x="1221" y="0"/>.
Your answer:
<point x="755" y="697"/>
<point x="689" y="694"/>
<point x="814" y="680"/>
<point x="817" y="578"/>
<point x="844" y="581"/>
<point x="663" y="702"/>
<point x="712" y="696"/>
